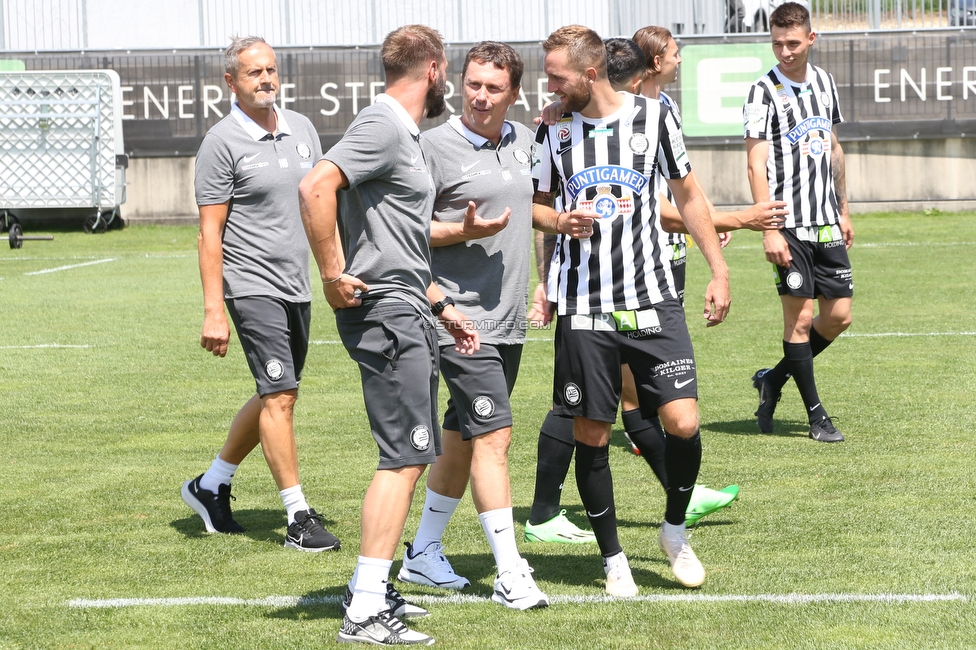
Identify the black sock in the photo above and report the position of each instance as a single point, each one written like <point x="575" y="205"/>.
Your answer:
<point x="817" y="343"/>
<point x="648" y="435"/>
<point x="801" y="367"/>
<point x="596" y="491"/>
<point x="781" y="372"/>
<point x="552" y="465"/>
<point x="683" y="462"/>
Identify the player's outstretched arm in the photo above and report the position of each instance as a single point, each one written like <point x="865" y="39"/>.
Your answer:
<point x="473" y="226"/>
<point x="318" y="204"/>
<point x="215" y="334"/>
<point x="693" y="207"/>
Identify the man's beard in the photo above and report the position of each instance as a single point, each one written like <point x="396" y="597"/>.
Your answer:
<point x="435" y="104"/>
<point x="267" y="98"/>
<point x="577" y="98"/>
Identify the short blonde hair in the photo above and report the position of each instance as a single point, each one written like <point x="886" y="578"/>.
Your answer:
<point x="585" y="47"/>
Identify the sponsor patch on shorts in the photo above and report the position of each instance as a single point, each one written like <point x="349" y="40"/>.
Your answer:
<point x="573" y="394"/>
<point x="420" y="437"/>
<point x="274" y="369"/>
<point x="483" y="407"/>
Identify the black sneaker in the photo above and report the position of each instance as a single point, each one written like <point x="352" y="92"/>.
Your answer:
<point x="382" y="629"/>
<point x="307" y="534"/>
<point x="397" y="603"/>
<point x="824" y="431"/>
<point x="767" y="400"/>
<point x="214" y="509"/>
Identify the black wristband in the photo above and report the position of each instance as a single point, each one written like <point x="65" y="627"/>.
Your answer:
<point x="441" y="305"/>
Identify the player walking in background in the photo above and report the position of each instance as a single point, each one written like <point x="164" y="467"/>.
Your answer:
<point x="254" y="259"/>
<point x="613" y="285"/>
<point x="375" y="183"/>
<point x="480" y="160"/>
<point x="794" y="156"/>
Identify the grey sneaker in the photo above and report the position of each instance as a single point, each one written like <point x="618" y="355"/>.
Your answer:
<point x="383" y="629"/>
<point x="398" y="604"/>
<point x="824" y="431"/>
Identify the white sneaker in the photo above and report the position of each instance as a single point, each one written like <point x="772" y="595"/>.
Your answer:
<point x="516" y="589"/>
<point x="684" y="563"/>
<point x="620" y="582"/>
<point x="430" y="568"/>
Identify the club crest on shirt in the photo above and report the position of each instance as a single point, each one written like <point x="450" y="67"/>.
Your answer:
<point x="639" y="144"/>
<point x="607" y="205"/>
<point x="825" y="99"/>
<point x="304" y="151"/>
<point x="521" y="156"/>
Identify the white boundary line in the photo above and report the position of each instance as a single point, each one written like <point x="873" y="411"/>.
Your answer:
<point x="42" y="346"/>
<point x="302" y="601"/>
<point x="881" y="334"/>
<point x="70" y="266"/>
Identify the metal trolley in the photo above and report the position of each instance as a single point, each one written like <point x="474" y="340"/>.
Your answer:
<point x="61" y="144"/>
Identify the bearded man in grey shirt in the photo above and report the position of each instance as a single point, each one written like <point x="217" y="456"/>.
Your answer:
<point x="254" y="258"/>
<point x="374" y="189"/>
<point x="480" y="160"/>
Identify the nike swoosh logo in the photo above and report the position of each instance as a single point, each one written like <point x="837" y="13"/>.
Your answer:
<point x="414" y="159"/>
<point x="813" y="408"/>
<point x="682" y="384"/>
<point x="589" y="514"/>
<point x="850" y="286"/>
<point x="465" y="168"/>
<point x="442" y="512"/>
<point x="685" y="489"/>
<point x="247" y="159"/>
<point x="499" y="530"/>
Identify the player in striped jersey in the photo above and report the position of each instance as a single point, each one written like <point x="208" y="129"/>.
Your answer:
<point x="612" y="282"/>
<point x="638" y="69"/>
<point x="794" y="155"/>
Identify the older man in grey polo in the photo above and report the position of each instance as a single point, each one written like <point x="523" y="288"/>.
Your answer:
<point x="254" y="259"/>
<point x="376" y="185"/>
<point x="479" y="160"/>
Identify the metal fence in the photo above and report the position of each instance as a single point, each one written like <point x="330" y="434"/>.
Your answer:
<point x="64" y="25"/>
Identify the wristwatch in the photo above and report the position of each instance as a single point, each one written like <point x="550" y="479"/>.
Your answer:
<point x="441" y="305"/>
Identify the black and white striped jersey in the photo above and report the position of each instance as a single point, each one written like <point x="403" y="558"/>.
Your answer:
<point x="609" y="166"/>
<point x="797" y="120"/>
<point x="674" y="238"/>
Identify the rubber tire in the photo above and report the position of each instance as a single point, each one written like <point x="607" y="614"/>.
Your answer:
<point x="95" y="224"/>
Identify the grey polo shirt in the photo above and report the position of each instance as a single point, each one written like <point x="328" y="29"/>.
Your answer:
<point x="488" y="278"/>
<point x="384" y="214"/>
<point x="264" y="246"/>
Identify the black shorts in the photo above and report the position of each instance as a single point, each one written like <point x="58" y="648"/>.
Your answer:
<point x="820" y="265"/>
<point x="589" y="350"/>
<point x="481" y="385"/>
<point x="397" y="353"/>
<point x="274" y="336"/>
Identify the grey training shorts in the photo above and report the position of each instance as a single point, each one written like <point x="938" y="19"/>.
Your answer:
<point x="480" y="386"/>
<point x="397" y="353"/>
<point x="274" y="335"/>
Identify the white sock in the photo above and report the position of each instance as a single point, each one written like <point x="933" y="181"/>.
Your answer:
<point x="294" y="500"/>
<point x="433" y="522"/>
<point x="368" y="588"/>
<point x="671" y="530"/>
<point x="220" y="473"/>
<point x="500" y="531"/>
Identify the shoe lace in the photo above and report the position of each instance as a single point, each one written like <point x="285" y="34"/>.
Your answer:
<point x="391" y="622"/>
<point x="312" y="522"/>
<point x="435" y="553"/>
<point x="394" y="596"/>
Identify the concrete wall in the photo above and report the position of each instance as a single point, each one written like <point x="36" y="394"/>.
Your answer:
<point x="905" y="175"/>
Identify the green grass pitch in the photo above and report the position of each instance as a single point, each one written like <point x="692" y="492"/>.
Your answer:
<point x="107" y="404"/>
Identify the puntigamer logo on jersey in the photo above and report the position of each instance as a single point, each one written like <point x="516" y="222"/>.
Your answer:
<point x="606" y="175"/>
<point x="807" y="125"/>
